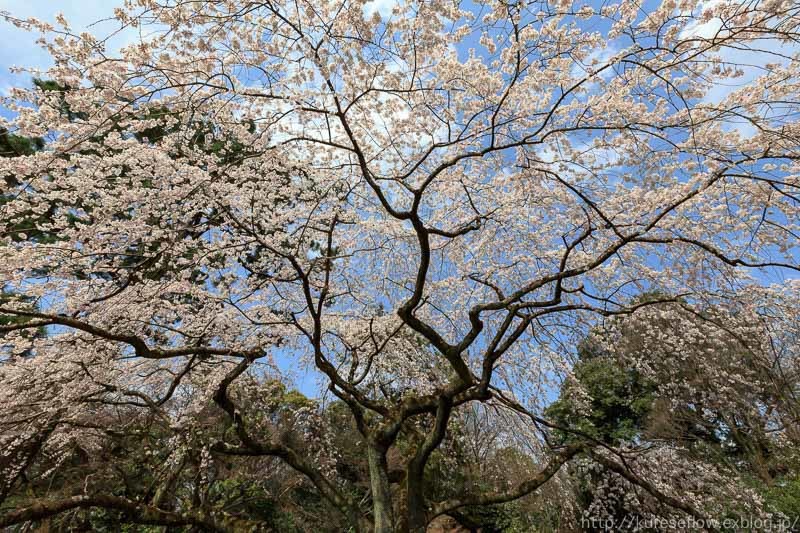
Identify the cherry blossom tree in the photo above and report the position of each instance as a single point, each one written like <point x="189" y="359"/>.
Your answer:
<point x="669" y="380"/>
<point x="429" y="206"/>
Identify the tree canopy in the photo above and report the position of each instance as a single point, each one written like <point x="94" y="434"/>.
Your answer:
<point x="539" y="258"/>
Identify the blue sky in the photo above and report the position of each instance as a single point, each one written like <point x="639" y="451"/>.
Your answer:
<point x="19" y="47"/>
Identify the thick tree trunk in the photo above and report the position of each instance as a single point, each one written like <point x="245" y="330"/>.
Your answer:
<point x="415" y="500"/>
<point x="416" y="511"/>
<point x="381" y="494"/>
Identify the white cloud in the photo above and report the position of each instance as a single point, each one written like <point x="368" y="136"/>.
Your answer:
<point x="698" y="28"/>
<point x="382" y="7"/>
<point x="750" y="62"/>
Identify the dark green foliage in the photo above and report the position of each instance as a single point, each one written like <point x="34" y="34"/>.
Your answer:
<point x="784" y="497"/>
<point x="620" y="400"/>
<point x="255" y="500"/>
<point x="504" y="518"/>
<point x="14" y="146"/>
